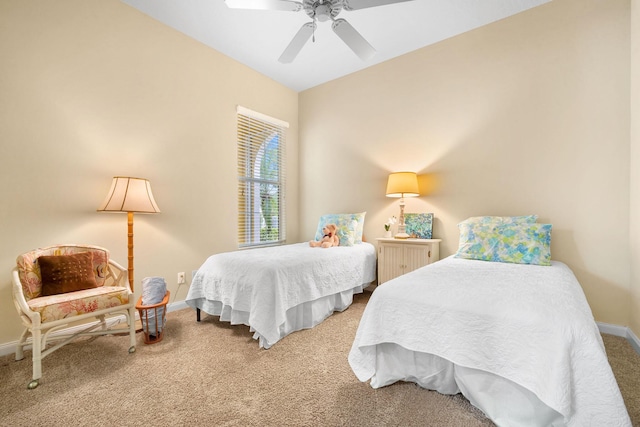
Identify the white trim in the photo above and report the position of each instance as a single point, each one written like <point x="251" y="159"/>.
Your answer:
<point x="633" y="340"/>
<point x="256" y="115"/>
<point x="10" y="347"/>
<point x="604" y="328"/>
<point x="620" y="331"/>
<point x="608" y="328"/>
<point x="175" y="306"/>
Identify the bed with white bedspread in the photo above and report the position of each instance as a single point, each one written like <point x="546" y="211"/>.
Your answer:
<point x="281" y="289"/>
<point x="519" y="341"/>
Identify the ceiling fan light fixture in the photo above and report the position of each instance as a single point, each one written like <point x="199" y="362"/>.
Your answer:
<point x="323" y="13"/>
<point x="322" y="10"/>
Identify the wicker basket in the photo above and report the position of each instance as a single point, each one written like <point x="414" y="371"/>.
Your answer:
<point x="153" y="319"/>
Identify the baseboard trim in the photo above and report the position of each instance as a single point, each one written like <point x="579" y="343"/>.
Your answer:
<point x="633" y="340"/>
<point x="605" y="328"/>
<point x="10" y="347"/>
<point x="175" y="306"/>
<point x="620" y="331"/>
<point x="608" y="328"/>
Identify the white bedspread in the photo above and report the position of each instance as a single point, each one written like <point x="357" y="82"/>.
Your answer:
<point x="259" y="287"/>
<point x="528" y="324"/>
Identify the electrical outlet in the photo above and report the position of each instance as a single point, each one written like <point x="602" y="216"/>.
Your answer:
<point x="181" y="279"/>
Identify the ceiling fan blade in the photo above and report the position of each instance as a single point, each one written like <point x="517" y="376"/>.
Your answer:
<point x="286" y="5"/>
<point x="353" y="39"/>
<point x="363" y="4"/>
<point x="296" y="44"/>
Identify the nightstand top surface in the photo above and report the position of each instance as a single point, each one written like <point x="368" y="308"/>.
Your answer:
<point x="410" y="240"/>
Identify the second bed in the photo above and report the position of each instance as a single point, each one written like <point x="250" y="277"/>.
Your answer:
<point x="519" y="341"/>
<point x="278" y="290"/>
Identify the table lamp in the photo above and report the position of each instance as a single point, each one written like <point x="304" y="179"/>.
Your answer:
<point x="402" y="184"/>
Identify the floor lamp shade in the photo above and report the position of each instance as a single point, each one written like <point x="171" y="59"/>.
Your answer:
<point x="130" y="195"/>
<point x="402" y="184"/>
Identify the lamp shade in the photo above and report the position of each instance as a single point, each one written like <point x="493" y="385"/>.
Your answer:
<point x="129" y="194"/>
<point x="403" y="184"/>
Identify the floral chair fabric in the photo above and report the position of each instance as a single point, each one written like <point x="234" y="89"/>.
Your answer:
<point x="29" y="269"/>
<point x="62" y="306"/>
<point x="44" y="315"/>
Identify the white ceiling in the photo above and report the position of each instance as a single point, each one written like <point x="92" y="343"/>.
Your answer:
<point x="256" y="38"/>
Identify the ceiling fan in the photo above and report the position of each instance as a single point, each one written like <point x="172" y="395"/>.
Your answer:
<point x="318" y="10"/>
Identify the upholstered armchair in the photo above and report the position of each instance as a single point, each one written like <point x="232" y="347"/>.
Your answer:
<point x="59" y="285"/>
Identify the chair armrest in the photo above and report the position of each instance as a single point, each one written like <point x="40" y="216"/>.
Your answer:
<point x="119" y="274"/>
<point x="19" y="300"/>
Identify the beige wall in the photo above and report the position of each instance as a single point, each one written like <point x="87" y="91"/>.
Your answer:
<point x="93" y="89"/>
<point x="526" y="115"/>
<point x="635" y="167"/>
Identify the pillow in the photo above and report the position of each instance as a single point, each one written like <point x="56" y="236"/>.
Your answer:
<point x="360" y="229"/>
<point x="525" y="219"/>
<point x="511" y="242"/>
<point x="350" y="227"/>
<point x="66" y="273"/>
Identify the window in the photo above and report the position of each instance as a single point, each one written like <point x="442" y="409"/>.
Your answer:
<point x="261" y="179"/>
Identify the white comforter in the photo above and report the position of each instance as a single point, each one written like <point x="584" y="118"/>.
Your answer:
<point x="259" y="287"/>
<point x="527" y="324"/>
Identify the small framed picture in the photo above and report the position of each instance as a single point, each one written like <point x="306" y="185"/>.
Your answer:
<point x="419" y="225"/>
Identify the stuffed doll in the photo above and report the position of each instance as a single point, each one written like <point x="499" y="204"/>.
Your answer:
<point x="330" y="237"/>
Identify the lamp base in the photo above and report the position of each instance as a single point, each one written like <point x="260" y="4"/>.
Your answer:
<point x="401" y="234"/>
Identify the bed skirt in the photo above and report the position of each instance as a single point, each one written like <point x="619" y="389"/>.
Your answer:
<point x="303" y="316"/>
<point x="503" y="401"/>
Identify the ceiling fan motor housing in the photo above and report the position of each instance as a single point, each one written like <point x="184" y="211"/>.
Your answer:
<point x="322" y="10"/>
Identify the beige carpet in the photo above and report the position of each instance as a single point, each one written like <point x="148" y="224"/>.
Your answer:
<point x="212" y="373"/>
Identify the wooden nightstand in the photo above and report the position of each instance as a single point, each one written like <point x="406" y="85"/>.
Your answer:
<point x="400" y="256"/>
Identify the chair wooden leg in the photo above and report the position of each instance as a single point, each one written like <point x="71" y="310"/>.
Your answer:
<point x="36" y="358"/>
<point x="20" y="345"/>
<point x="132" y="330"/>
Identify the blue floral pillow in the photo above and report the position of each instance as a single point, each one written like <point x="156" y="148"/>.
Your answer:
<point x="525" y="219"/>
<point x="350" y="227"/>
<point x="528" y="243"/>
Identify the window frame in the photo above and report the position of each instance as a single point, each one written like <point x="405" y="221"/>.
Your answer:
<point x="255" y="132"/>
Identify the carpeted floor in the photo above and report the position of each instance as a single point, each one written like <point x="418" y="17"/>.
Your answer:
<point x="211" y="373"/>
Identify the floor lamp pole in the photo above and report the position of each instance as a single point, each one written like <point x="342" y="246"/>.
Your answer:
<point x="130" y="247"/>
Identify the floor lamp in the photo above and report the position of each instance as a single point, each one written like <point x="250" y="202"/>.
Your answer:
<point x="402" y="184"/>
<point x="130" y="195"/>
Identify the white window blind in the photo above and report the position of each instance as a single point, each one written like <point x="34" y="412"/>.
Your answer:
<point x="261" y="179"/>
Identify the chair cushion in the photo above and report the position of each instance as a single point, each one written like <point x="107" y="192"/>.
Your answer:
<point x="66" y="273"/>
<point x="29" y="268"/>
<point x="59" y="306"/>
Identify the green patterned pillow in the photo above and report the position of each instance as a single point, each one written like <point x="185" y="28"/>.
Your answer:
<point x="513" y="243"/>
<point x="525" y="219"/>
<point x="350" y="227"/>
